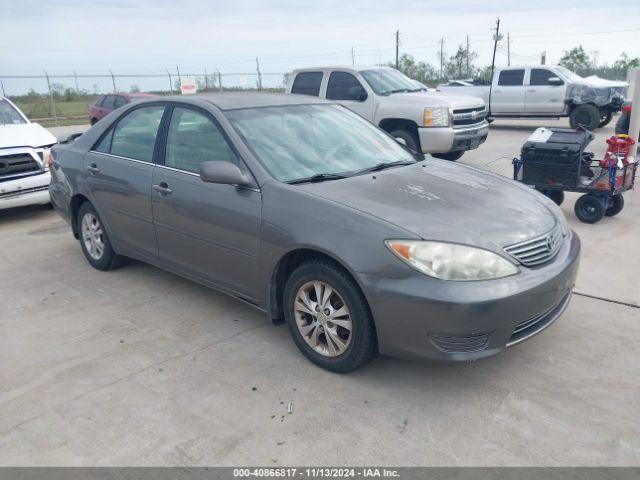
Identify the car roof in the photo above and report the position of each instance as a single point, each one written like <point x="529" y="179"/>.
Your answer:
<point x="237" y="100"/>
<point x="357" y="68"/>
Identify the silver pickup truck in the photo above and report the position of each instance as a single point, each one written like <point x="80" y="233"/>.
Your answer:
<point x="430" y="122"/>
<point x="546" y="91"/>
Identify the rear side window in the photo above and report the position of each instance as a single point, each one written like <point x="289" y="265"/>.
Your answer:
<point x="134" y="136"/>
<point x="540" y="76"/>
<point x="107" y="102"/>
<point x="120" y="101"/>
<point x="510" y="78"/>
<point x="307" y="83"/>
<point x="341" y="86"/>
<point x="194" y="138"/>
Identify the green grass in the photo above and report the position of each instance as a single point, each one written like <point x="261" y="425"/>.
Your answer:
<point x="41" y="108"/>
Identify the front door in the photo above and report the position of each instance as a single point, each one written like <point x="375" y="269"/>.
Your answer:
<point x="118" y="171"/>
<point x="206" y="230"/>
<point x="541" y="97"/>
<point x="347" y="89"/>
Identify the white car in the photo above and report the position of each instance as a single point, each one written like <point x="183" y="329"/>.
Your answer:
<point x="24" y="159"/>
<point x="430" y="122"/>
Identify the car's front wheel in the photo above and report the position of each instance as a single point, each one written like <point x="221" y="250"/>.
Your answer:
<point x="95" y="241"/>
<point x="329" y="317"/>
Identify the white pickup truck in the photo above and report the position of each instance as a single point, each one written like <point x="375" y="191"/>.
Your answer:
<point x="429" y="122"/>
<point x="24" y="159"/>
<point x="546" y="91"/>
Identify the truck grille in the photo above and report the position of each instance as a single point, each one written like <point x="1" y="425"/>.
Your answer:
<point x="18" y="164"/>
<point x="469" y="116"/>
<point x="539" y="250"/>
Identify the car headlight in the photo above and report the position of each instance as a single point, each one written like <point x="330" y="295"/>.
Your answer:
<point x="436" y="117"/>
<point x="450" y="261"/>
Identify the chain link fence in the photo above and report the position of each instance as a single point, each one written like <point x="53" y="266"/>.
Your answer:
<point x="64" y="99"/>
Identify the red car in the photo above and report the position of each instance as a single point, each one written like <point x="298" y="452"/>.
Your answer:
<point x="108" y="103"/>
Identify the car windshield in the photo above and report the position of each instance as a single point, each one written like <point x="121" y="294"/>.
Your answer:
<point x="321" y="141"/>
<point x="388" y="81"/>
<point x="574" y="77"/>
<point x="9" y="115"/>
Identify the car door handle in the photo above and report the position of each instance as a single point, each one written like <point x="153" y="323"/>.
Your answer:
<point x="93" y="168"/>
<point x="163" y="188"/>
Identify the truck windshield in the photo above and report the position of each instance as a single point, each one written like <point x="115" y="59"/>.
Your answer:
<point x="574" y="77"/>
<point x="388" y="81"/>
<point x="315" y="142"/>
<point x="9" y="115"/>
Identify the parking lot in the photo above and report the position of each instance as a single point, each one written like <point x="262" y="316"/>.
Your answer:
<point x="140" y="367"/>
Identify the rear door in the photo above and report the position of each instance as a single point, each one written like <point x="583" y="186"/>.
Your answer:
<point x="307" y="83"/>
<point x="206" y="230"/>
<point x="507" y="96"/>
<point x="541" y="97"/>
<point x="118" y="172"/>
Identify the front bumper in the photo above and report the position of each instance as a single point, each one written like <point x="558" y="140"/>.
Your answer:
<point x="31" y="190"/>
<point x="448" y="139"/>
<point x="419" y="317"/>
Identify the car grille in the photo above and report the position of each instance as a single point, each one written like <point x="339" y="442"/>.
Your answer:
<point x="460" y="343"/>
<point x="17" y="164"/>
<point x="464" y="117"/>
<point x="538" y="251"/>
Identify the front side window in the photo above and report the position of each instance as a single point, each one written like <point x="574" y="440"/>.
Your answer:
<point x="119" y="102"/>
<point x="9" y="115"/>
<point x="540" y="76"/>
<point x="108" y="101"/>
<point x="511" y="78"/>
<point x="296" y="142"/>
<point x="307" y="83"/>
<point x="194" y="138"/>
<point x="134" y="136"/>
<point x="343" y="86"/>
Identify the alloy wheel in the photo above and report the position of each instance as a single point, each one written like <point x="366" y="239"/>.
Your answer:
<point x="323" y="318"/>
<point x="92" y="236"/>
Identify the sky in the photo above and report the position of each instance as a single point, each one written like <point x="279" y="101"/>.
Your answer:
<point x="153" y="36"/>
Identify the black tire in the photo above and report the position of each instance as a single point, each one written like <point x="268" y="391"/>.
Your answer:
<point x="605" y="118"/>
<point x="589" y="209"/>
<point x="410" y="136"/>
<point x="587" y="116"/>
<point x="108" y="260"/>
<point x="451" y="156"/>
<point x="615" y="205"/>
<point x="94" y="121"/>
<point x="556" y="195"/>
<point x="363" y="344"/>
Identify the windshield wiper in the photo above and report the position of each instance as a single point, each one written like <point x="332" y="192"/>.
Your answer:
<point x="319" y="177"/>
<point x="384" y="165"/>
<point x="398" y="90"/>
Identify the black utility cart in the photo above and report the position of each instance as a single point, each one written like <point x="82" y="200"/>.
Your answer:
<point x="554" y="161"/>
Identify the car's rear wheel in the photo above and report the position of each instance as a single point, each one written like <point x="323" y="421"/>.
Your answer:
<point x="95" y="241"/>
<point x="451" y="156"/>
<point x="605" y="118"/>
<point x="587" y="116"/>
<point x="329" y="317"/>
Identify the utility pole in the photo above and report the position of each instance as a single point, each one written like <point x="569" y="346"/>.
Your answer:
<point x="170" y="83"/>
<point x="2" y="83"/>
<point x="441" y="57"/>
<point x="543" y="58"/>
<point x="220" y="80"/>
<point x="75" y="76"/>
<point x="508" y="50"/>
<point x="468" y="72"/>
<point x="53" y="106"/>
<point x="397" y="49"/>
<point x="259" y="74"/>
<point x="496" y="38"/>
<point x="353" y="58"/>
<point x="206" y="80"/>
<point x="113" y="81"/>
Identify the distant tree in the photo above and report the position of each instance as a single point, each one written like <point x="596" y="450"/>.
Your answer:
<point x="95" y="89"/>
<point x="576" y="59"/>
<point x="134" y="89"/>
<point x="421" y="71"/>
<point x="456" y="66"/>
<point x="625" y="63"/>
<point x="70" y="94"/>
<point x="57" y="90"/>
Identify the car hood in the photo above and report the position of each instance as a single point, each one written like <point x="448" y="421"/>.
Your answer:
<point x="438" y="99"/>
<point x="25" y="135"/>
<point x="440" y="200"/>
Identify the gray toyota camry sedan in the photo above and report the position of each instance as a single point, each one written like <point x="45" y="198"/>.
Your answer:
<point x="323" y="221"/>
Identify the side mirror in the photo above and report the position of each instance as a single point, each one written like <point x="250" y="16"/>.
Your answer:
<point x="223" y="172"/>
<point x="69" y="137"/>
<point x="555" y="81"/>
<point x="357" y="93"/>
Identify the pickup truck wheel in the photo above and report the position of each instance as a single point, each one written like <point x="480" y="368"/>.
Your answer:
<point x="605" y="118"/>
<point x="410" y="137"/>
<point x="452" y="156"/>
<point x="587" y="116"/>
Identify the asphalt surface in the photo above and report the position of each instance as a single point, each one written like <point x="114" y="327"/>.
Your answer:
<point x="140" y="367"/>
